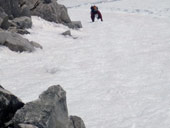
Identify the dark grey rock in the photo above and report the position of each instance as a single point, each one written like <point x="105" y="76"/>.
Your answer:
<point x="23" y="22"/>
<point x="12" y="24"/>
<point x="3" y="19"/>
<point x="10" y="7"/>
<point x="67" y="33"/>
<point x="75" y="24"/>
<point x="25" y="11"/>
<point x="13" y="8"/>
<point x="49" y="111"/>
<point x="47" y="1"/>
<point x="50" y="12"/>
<point x="16" y="27"/>
<point x="19" y="31"/>
<point x="15" y="42"/>
<point x="22" y="31"/>
<point x="2" y="13"/>
<point x="31" y="4"/>
<point x="76" y="122"/>
<point x="9" y="104"/>
<point x="5" y="23"/>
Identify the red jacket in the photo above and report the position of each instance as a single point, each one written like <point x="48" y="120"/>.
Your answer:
<point x="94" y="12"/>
<point x="98" y="17"/>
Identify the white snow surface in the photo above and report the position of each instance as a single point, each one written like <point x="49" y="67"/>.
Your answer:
<point x="116" y="73"/>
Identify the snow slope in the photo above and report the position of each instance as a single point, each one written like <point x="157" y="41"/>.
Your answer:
<point x="116" y="73"/>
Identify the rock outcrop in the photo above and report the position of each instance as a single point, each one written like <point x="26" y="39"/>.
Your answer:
<point x="49" y="111"/>
<point x="76" y="122"/>
<point x="9" y="104"/>
<point x="15" y="17"/>
<point x="50" y="10"/>
<point x="16" y="43"/>
<point x="22" y="22"/>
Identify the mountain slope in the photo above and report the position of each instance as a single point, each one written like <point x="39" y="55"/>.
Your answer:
<point x="116" y="73"/>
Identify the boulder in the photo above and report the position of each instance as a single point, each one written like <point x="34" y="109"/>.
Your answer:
<point x="76" y="122"/>
<point x="49" y="111"/>
<point x="25" y="11"/>
<point x="50" y="12"/>
<point x="18" y="25"/>
<point x="67" y="33"/>
<point x="17" y="10"/>
<point x="23" y="22"/>
<point x="9" y="104"/>
<point x="15" y="42"/>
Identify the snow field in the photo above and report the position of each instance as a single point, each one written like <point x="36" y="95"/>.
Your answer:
<point x="116" y="73"/>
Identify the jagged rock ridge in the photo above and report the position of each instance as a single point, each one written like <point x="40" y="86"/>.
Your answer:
<point x="48" y="111"/>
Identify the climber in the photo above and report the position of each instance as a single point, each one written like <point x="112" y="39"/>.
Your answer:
<point x="95" y="13"/>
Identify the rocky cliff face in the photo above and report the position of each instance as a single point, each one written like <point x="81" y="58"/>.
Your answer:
<point x="48" y="111"/>
<point x="15" y="17"/>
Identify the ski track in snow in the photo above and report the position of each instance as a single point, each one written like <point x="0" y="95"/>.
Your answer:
<point x="116" y="73"/>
